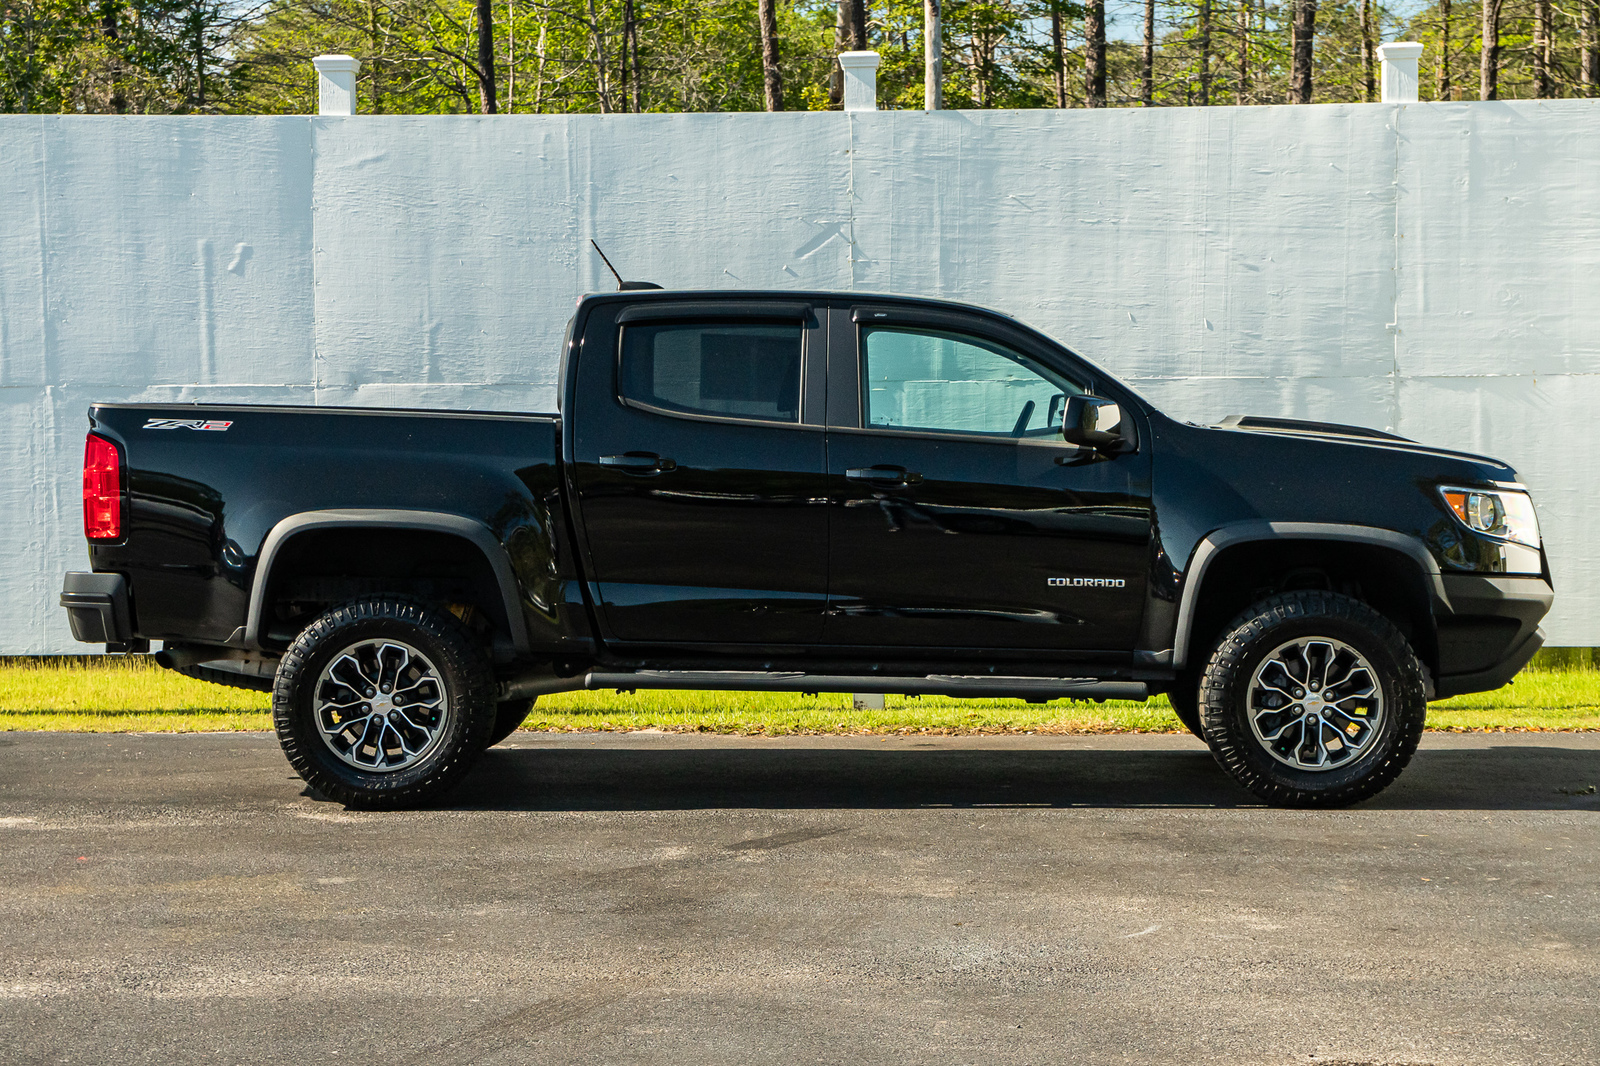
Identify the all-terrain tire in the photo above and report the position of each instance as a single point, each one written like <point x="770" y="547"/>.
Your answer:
<point x="508" y="715"/>
<point x="1252" y="638"/>
<point x="458" y="666"/>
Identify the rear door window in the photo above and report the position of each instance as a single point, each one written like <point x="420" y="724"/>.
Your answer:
<point x="722" y="369"/>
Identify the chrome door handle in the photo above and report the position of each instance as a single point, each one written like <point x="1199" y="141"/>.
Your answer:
<point x="639" y="462"/>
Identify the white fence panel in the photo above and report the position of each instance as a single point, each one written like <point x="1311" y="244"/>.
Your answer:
<point x="1434" y="268"/>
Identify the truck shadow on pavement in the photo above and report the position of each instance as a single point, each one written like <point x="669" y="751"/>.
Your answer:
<point x="610" y="778"/>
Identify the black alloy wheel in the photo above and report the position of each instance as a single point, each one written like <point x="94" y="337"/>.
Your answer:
<point x="384" y="703"/>
<point x="1313" y="699"/>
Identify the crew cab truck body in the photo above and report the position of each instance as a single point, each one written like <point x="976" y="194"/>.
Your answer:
<point x="808" y="492"/>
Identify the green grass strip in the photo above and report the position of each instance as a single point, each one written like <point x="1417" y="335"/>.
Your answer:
<point x="132" y="695"/>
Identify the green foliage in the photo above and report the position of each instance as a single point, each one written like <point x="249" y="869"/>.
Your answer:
<point x="116" y="56"/>
<point x="1453" y="73"/>
<point x="565" y="56"/>
<point x="420" y="56"/>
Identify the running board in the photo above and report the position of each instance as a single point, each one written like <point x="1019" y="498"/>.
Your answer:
<point x="1030" y="688"/>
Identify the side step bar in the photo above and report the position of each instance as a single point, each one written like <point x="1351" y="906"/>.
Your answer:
<point x="1029" y="688"/>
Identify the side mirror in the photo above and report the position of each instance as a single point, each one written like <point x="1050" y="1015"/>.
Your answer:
<point x="1093" y="422"/>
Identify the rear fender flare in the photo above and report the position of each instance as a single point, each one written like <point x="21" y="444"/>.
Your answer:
<point x="468" y="529"/>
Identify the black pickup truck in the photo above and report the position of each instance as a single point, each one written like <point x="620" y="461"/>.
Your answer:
<point x="807" y="492"/>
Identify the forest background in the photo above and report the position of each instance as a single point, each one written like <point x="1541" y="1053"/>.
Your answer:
<point x="611" y="56"/>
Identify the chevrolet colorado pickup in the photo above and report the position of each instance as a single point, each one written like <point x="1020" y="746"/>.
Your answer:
<point x="807" y="492"/>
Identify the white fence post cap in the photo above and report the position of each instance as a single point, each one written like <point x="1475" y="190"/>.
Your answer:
<point x="336" y="84"/>
<point x="1400" y="50"/>
<point x="337" y="64"/>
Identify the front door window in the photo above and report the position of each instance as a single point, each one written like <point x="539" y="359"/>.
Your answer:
<point x="933" y="380"/>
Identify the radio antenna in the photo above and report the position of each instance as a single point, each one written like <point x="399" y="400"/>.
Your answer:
<point x="622" y="286"/>
<point x="607" y="262"/>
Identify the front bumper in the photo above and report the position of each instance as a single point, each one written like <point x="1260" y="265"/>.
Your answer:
<point x="1490" y="631"/>
<point x="97" y="610"/>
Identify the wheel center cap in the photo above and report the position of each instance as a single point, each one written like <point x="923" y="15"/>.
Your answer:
<point x="382" y="705"/>
<point x="1313" y="703"/>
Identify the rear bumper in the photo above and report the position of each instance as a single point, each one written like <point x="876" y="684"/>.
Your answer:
<point x="97" y="610"/>
<point x="1490" y="631"/>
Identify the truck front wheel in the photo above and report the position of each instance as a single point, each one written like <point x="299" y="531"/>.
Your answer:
<point x="1313" y="699"/>
<point x="383" y="703"/>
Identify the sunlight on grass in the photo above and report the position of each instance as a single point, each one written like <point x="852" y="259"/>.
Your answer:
<point x="1535" y="699"/>
<point x="134" y="695"/>
<point x="121" y="695"/>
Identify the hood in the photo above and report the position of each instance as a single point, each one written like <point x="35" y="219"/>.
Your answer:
<point x="1335" y="432"/>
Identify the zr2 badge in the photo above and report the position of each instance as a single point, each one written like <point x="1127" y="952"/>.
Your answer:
<point x="207" y="425"/>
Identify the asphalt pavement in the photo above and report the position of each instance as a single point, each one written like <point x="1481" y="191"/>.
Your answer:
<point x="650" y="898"/>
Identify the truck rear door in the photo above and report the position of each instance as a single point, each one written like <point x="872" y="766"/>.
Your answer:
<point x="697" y="465"/>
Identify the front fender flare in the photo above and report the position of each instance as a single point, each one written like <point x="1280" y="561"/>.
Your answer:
<point x="1236" y="533"/>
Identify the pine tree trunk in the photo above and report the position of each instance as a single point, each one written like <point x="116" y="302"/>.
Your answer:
<point x="772" y="77"/>
<point x="199" y="60"/>
<point x="1244" y="51"/>
<point x="623" y="80"/>
<point x="1541" y="50"/>
<point x="1444" y="50"/>
<point x="638" y="68"/>
<point x="1094" y="53"/>
<point x="1589" y="51"/>
<point x="1205" y="52"/>
<point x="1489" y="60"/>
<point x="1369" y="84"/>
<point x="1147" y="85"/>
<point x="1057" y="57"/>
<point x="108" y="29"/>
<point x="486" y="57"/>
<point x="932" y="56"/>
<point x="1305" y="31"/>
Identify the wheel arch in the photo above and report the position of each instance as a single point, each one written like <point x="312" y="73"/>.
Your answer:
<point x="473" y="532"/>
<point x="1417" y="599"/>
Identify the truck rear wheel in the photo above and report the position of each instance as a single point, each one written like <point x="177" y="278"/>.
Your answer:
<point x="1313" y="699"/>
<point x="383" y="703"/>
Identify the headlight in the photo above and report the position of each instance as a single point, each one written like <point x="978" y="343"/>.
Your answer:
<point x="1503" y="513"/>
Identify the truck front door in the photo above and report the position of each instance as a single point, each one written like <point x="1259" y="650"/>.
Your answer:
<point x="960" y="518"/>
<point x="697" y="464"/>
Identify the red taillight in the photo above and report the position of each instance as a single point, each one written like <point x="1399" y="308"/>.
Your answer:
<point x="102" y="489"/>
